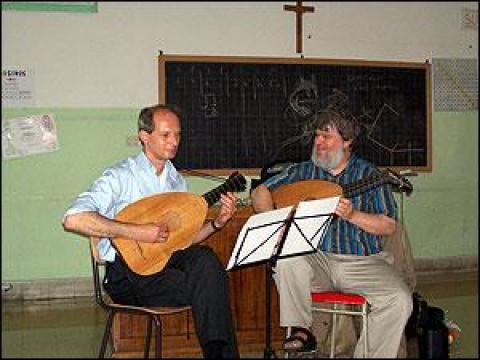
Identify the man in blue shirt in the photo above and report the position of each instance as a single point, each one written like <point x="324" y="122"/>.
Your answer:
<point x="350" y="257"/>
<point x="194" y="275"/>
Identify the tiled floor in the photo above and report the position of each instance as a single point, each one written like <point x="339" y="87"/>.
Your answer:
<point x="73" y="328"/>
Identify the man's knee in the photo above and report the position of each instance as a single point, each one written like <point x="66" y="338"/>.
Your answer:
<point x="208" y="259"/>
<point x="291" y="266"/>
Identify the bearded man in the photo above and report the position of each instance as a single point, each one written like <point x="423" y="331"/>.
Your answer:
<point x="350" y="258"/>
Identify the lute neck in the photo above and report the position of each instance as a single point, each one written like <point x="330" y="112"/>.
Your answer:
<point x="214" y="195"/>
<point x="365" y="184"/>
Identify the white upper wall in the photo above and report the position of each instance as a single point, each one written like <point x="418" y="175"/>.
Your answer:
<point x="109" y="58"/>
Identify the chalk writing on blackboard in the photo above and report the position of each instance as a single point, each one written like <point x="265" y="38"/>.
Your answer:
<point x="245" y="113"/>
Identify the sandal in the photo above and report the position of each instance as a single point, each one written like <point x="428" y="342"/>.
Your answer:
<point x="297" y="343"/>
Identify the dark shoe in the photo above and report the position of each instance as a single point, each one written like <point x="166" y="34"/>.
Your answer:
<point x="297" y="343"/>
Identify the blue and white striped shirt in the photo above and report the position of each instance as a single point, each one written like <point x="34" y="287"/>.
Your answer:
<point x="122" y="184"/>
<point x="342" y="236"/>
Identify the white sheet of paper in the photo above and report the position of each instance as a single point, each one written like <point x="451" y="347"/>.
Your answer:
<point x="28" y="135"/>
<point x="321" y="209"/>
<point x="18" y="86"/>
<point x="260" y="227"/>
<point x="261" y="233"/>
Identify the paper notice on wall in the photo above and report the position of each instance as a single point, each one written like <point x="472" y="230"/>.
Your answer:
<point x="18" y="87"/>
<point x="28" y="135"/>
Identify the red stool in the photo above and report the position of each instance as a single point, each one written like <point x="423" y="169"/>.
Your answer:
<point x="334" y="298"/>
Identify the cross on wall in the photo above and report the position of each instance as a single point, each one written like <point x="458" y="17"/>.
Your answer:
<point x="299" y="10"/>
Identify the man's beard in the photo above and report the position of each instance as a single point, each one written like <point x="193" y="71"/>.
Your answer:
<point x="330" y="161"/>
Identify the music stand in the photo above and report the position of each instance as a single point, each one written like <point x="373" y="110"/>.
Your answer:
<point x="277" y="234"/>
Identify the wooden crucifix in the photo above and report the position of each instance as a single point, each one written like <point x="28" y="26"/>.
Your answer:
<point x="299" y="10"/>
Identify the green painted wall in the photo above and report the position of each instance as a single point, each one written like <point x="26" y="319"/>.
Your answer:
<point x="441" y="214"/>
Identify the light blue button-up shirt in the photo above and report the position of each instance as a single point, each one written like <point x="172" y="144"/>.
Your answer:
<point x="120" y="185"/>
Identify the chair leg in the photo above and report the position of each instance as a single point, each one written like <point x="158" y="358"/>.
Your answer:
<point x="148" y="337"/>
<point x="106" y="334"/>
<point x="365" y="328"/>
<point x="332" y="335"/>
<point x="289" y="331"/>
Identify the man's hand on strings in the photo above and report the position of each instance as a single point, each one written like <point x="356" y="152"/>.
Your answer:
<point x="227" y="209"/>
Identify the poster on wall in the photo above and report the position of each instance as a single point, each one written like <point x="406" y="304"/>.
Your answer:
<point x="18" y="85"/>
<point x="28" y="135"/>
<point x="455" y="84"/>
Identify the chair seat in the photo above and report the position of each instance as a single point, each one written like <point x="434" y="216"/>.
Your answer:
<point x="338" y="298"/>
<point x="151" y="310"/>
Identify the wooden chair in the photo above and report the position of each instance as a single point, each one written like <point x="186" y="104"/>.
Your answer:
<point x="154" y="314"/>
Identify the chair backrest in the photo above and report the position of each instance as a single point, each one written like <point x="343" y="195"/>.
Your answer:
<point x="97" y="263"/>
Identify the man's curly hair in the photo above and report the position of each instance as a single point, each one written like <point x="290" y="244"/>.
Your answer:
<point x="336" y="115"/>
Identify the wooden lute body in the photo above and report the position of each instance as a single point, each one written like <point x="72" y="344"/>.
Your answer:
<point x="184" y="214"/>
<point x="292" y="194"/>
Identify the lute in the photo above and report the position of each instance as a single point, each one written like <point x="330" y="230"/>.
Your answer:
<point x="291" y="194"/>
<point x="183" y="212"/>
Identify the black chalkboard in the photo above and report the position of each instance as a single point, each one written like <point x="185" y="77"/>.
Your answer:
<point x="245" y="112"/>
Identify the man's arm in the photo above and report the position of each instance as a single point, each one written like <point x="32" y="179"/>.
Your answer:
<point x="377" y="224"/>
<point x="226" y="212"/>
<point x="93" y="224"/>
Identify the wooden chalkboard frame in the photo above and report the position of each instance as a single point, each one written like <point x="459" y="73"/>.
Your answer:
<point x="426" y="67"/>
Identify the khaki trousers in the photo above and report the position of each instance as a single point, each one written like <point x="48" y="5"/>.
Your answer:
<point x="372" y="276"/>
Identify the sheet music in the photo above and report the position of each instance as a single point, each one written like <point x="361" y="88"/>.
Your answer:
<point x="311" y="220"/>
<point x="258" y="237"/>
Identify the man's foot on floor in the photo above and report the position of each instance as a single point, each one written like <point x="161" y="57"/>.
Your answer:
<point x="300" y="340"/>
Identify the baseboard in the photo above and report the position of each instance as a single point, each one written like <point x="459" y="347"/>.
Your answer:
<point x="48" y="289"/>
<point x="83" y="287"/>
<point x="445" y="267"/>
